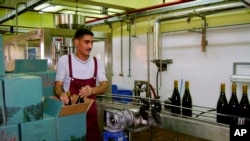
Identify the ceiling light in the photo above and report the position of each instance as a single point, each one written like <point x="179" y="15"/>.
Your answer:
<point x="51" y="8"/>
<point x="41" y="6"/>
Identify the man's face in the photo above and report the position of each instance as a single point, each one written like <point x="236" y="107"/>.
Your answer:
<point x="84" y="45"/>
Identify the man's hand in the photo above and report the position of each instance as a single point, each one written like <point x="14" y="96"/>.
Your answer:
<point x="64" y="98"/>
<point x="85" y="91"/>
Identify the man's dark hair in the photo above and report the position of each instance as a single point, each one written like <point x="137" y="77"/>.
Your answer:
<point x="80" y="32"/>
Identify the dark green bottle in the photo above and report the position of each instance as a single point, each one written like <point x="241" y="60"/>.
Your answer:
<point x="233" y="106"/>
<point x="244" y="108"/>
<point x="187" y="101"/>
<point x="222" y="106"/>
<point x="175" y="99"/>
<point x="68" y="94"/>
<point x="80" y="100"/>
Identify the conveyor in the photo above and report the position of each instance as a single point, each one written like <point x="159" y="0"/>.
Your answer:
<point x="202" y="124"/>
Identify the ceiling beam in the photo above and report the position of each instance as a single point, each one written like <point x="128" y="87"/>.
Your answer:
<point x="20" y="10"/>
<point x="102" y="4"/>
<point x="167" y="9"/>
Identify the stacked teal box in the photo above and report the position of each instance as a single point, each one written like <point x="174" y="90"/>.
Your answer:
<point x="2" y="70"/>
<point x="45" y="129"/>
<point x="77" y="130"/>
<point x="32" y="65"/>
<point x="9" y="133"/>
<point x="48" y="80"/>
<point x="22" y="96"/>
<point x="41" y="130"/>
<point x="1" y="105"/>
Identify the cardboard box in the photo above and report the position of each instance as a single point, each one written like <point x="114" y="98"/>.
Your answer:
<point x="32" y="65"/>
<point x="22" y="99"/>
<point x="2" y="70"/>
<point x="48" y="80"/>
<point x="41" y="130"/>
<point x="71" y="119"/>
<point x="45" y="129"/>
<point x="72" y="127"/>
<point x="1" y="105"/>
<point x="9" y="133"/>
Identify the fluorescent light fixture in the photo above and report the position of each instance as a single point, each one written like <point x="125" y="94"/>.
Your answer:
<point x="83" y="13"/>
<point x="112" y="10"/>
<point x="49" y="8"/>
<point x="41" y="6"/>
<point x="67" y="12"/>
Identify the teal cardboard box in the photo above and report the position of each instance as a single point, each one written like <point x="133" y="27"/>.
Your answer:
<point x="1" y="105"/>
<point x="9" y="133"/>
<point x="22" y="99"/>
<point x="48" y="80"/>
<point x="32" y="65"/>
<point x="41" y="130"/>
<point x="2" y="69"/>
<point x="71" y="124"/>
<point x="45" y="129"/>
<point x="71" y="120"/>
<point x="72" y="128"/>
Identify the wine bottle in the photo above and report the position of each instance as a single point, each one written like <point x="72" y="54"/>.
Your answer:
<point x="187" y="101"/>
<point x="80" y="100"/>
<point x="244" y="108"/>
<point x="175" y="99"/>
<point x="222" y="106"/>
<point x="233" y="106"/>
<point x="69" y="103"/>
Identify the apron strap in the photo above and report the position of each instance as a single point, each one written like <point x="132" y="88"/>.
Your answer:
<point x="95" y="71"/>
<point x="70" y="66"/>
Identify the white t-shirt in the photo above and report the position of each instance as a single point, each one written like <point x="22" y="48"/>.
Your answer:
<point x="80" y="70"/>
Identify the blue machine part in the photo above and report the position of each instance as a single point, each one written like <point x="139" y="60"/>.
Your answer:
<point x="114" y="136"/>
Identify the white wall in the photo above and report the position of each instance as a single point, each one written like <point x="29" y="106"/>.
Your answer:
<point x="204" y="70"/>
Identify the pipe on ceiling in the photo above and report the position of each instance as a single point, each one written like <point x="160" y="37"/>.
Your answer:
<point x="20" y="10"/>
<point x="7" y="7"/>
<point x="1" y="2"/>
<point x="157" y="6"/>
<point x="143" y="9"/>
<point x="24" y="3"/>
<point x="121" y="73"/>
<point x="129" y="48"/>
<point x="246" y="3"/>
<point x="206" y="11"/>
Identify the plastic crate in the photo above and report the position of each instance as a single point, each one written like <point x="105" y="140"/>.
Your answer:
<point x="125" y="96"/>
<point x="114" y="88"/>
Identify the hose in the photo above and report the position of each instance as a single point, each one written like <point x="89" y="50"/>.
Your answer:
<point x="152" y="89"/>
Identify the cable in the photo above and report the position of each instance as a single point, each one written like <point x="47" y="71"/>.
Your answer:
<point x="152" y="89"/>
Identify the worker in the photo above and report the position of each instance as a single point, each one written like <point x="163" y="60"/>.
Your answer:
<point x="78" y="73"/>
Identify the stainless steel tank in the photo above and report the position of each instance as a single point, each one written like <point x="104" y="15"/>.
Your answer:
<point x="69" y="21"/>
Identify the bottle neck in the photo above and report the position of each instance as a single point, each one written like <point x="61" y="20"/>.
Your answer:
<point x="222" y="88"/>
<point x="187" y="85"/>
<point x="244" y="89"/>
<point x="175" y="84"/>
<point x="234" y="88"/>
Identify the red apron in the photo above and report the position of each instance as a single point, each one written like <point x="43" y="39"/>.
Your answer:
<point x="93" y="132"/>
